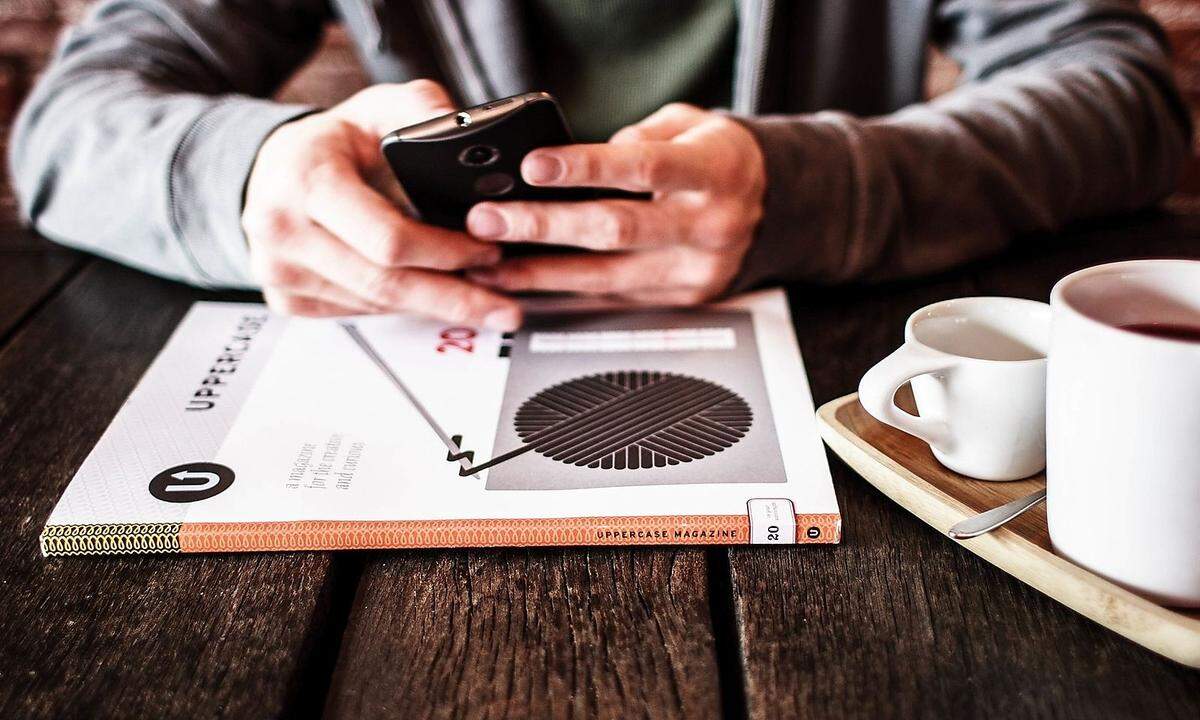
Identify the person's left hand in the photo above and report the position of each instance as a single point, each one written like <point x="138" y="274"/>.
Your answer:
<point x="684" y="246"/>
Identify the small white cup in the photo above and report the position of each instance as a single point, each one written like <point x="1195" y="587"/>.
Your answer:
<point x="978" y="372"/>
<point x="1123" y="420"/>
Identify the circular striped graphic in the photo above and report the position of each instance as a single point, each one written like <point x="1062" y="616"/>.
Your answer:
<point x="633" y="419"/>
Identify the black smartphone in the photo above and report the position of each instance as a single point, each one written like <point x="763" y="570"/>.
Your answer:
<point x="447" y="164"/>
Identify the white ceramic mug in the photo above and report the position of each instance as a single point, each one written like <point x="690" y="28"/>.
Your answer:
<point x="978" y="372"/>
<point x="1123" y="423"/>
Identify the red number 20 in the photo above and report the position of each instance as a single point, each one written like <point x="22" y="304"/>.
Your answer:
<point x="457" y="338"/>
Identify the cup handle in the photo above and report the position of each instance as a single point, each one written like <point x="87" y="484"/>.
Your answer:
<point x="878" y="388"/>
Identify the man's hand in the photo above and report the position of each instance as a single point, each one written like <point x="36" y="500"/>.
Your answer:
<point x="707" y="176"/>
<point x="325" y="239"/>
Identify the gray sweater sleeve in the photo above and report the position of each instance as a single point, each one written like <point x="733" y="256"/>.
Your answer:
<point x="1067" y="111"/>
<point x="137" y="141"/>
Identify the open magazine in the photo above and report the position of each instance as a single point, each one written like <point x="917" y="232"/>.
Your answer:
<point x="256" y="432"/>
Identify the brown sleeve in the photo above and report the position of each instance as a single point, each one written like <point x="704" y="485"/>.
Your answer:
<point x="1066" y="110"/>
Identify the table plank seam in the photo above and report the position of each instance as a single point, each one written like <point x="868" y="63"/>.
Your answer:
<point x="315" y="676"/>
<point x="52" y="292"/>
<point x="727" y="644"/>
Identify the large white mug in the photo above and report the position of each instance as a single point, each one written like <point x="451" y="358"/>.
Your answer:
<point x="978" y="371"/>
<point x="1123" y="424"/>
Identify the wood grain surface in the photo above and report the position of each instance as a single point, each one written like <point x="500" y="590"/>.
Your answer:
<point x="27" y="279"/>
<point x="579" y="633"/>
<point x="32" y="269"/>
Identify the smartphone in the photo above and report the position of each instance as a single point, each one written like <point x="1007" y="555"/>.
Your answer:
<point x="448" y="164"/>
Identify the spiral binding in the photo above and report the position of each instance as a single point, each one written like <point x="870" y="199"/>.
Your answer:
<point x="110" y="539"/>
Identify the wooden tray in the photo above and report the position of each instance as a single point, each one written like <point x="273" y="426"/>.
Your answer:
<point x="904" y="469"/>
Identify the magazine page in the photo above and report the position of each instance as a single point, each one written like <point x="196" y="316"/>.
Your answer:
<point x="585" y="427"/>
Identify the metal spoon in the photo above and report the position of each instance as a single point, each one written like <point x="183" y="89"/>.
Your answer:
<point x="989" y="520"/>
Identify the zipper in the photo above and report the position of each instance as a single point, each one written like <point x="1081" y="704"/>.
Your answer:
<point x="752" y="61"/>
<point x="460" y="62"/>
<point x="368" y="11"/>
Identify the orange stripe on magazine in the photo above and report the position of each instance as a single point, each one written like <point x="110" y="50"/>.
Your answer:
<point x="355" y="535"/>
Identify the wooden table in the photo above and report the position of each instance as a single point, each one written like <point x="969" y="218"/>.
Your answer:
<point x="896" y="621"/>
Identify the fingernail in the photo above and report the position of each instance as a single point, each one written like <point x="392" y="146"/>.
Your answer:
<point x="503" y="320"/>
<point x="486" y="222"/>
<point x="542" y="168"/>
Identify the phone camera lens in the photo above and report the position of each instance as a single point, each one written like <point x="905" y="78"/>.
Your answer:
<point x="479" y="155"/>
<point x="462" y="119"/>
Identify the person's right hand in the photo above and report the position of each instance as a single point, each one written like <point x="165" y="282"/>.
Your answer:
<point x="325" y="239"/>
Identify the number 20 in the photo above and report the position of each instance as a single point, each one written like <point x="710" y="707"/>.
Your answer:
<point x="457" y="338"/>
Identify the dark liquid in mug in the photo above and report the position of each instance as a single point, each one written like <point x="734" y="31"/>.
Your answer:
<point x="1171" y="331"/>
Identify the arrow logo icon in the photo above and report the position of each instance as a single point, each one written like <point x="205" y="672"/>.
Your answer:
<point x="191" y="482"/>
<point x="209" y="479"/>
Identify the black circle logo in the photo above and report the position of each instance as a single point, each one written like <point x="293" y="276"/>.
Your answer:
<point x="191" y="482"/>
<point x="814" y="532"/>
